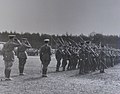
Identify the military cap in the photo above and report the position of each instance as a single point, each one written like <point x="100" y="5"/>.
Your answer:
<point x="82" y="43"/>
<point x="46" y="40"/>
<point x="87" y="42"/>
<point x="102" y="45"/>
<point x="11" y="36"/>
<point x="24" y="38"/>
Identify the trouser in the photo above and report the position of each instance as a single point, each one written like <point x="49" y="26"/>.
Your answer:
<point x="7" y="71"/>
<point x="81" y="66"/>
<point x="69" y="67"/>
<point x="75" y="61"/>
<point x="58" y="65"/>
<point x="112" y="62"/>
<point x="22" y="62"/>
<point x="87" y="66"/>
<point x="93" y="64"/>
<point x="45" y="64"/>
<point x="102" y="66"/>
<point x="64" y="62"/>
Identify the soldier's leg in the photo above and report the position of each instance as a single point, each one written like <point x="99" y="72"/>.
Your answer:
<point x="102" y="67"/>
<point x="64" y="62"/>
<point x="58" y="65"/>
<point x="80" y="67"/>
<point x="86" y="67"/>
<point x="7" y="71"/>
<point x="94" y="64"/>
<point x="69" y="64"/>
<point x="44" y="69"/>
<point x="22" y="63"/>
<point x="112" y="63"/>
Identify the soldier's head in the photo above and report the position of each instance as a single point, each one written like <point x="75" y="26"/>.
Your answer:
<point x="102" y="46"/>
<point x="82" y="43"/>
<point x="87" y="42"/>
<point x="24" y="40"/>
<point x="46" y="41"/>
<point x="11" y="37"/>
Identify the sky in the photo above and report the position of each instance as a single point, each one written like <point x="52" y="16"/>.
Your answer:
<point x="61" y="16"/>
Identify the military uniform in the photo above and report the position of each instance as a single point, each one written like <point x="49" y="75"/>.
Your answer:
<point x="45" y="57"/>
<point x="102" y="58"/>
<point x="66" y="56"/>
<point x="8" y="55"/>
<point x="70" y="63"/>
<point x="87" y="60"/>
<point x="81" y="60"/>
<point x="22" y="55"/>
<point x="58" y="56"/>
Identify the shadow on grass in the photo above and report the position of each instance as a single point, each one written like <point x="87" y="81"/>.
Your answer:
<point x="33" y="78"/>
<point x="85" y="74"/>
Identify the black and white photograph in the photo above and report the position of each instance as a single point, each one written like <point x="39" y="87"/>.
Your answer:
<point x="59" y="46"/>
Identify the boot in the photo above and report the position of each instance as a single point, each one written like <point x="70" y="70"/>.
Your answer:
<point x="21" y="69"/>
<point x="7" y="75"/>
<point x="44" y="72"/>
<point x="57" y="69"/>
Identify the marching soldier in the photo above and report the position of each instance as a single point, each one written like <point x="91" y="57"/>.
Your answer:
<point x="87" y="58"/>
<point x="22" y="55"/>
<point x="58" y="56"/>
<point x="102" y="58"/>
<point x="70" y="60"/>
<point x="45" y="57"/>
<point x="81" y="59"/>
<point x="8" y="54"/>
<point x="66" y="56"/>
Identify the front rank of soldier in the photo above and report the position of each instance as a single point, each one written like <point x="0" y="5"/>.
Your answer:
<point x="102" y="59"/>
<point x="22" y="55"/>
<point x="45" y="57"/>
<point x="8" y="54"/>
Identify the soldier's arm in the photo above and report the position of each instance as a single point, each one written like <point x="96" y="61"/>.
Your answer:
<point x="26" y="45"/>
<point x="3" y="50"/>
<point x="40" y="52"/>
<point x="50" y="51"/>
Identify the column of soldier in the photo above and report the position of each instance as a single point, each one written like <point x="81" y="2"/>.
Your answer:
<point x="83" y="56"/>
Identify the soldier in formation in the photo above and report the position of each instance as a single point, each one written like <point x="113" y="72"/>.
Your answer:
<point x="88" y="57"/>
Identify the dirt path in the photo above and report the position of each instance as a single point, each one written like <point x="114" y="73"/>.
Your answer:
<point x="68" y="82"/>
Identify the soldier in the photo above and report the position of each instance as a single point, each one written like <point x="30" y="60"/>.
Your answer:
<point x="66" y="56"/>
<point x="8" y="54"/>
<point x="70" y="60"/>
<point x="58" y="56"/>
<point x="45" y="57"/>
<point x="81" y="59"/>
<point x="87" y="58"/>
<point x="22" y="55"/>
<point x="75" y="58"/>
<point x="102" y="58"/>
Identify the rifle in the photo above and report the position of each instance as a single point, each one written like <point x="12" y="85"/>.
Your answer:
<point x="93" y="52"/>
<point x="63" y="45"/>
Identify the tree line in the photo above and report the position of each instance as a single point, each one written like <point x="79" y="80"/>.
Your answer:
<point x="37" y="40"/>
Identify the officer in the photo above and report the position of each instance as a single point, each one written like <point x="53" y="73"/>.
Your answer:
<point x="22" y="55"/>
<point x="45" y="57"/>
<point x="8" y="54"/>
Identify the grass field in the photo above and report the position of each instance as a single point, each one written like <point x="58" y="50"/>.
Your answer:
<point x="67" y="82"/>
